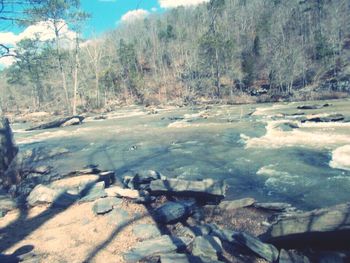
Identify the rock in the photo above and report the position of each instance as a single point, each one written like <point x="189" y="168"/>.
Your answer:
<point x="73" y="120"/>
<point x="278" y="207"/>
<point x="91" y="169"/>
<point x="147" y="199"/>
<point x="94" y="192"/>
<point x="42" y="169"/>
<point x="224" y="234"/>
<point x="328" y="227"/>
<point x="105" y="205"/>
<point x="44" y="195"/>
<point x="118" y="191"/>
<point x="76" y="183"/>
<point x="156" y="247"/>
<point x="173" y="212"/>
<point x="312" y="107"/>
<point x="134" y="179"/>
<point x="287" y="126"/>
<point x="235" y="204"/>
<point x="146" y="231"/>
<point x="266" y="251"/>
<point x="325" y="118"/>
<point x="207" y="247"/>
<point x="185" y="258"/>
<point x="118" y="217"/>
<point x="203" y="190"/>
<point x="7" y="203"/>
<point x="292" y="257"/>
<point x="201" y="230"/>
<point x="107" y="177"/>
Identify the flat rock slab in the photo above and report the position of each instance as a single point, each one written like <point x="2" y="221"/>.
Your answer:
<point x="118" y="191"/>
<point x="75" y="183"/>
<point x="173" y="212"/>
<point x="118" y="217"/>
<point x="185" y="258"/>
<point x="44" y="195"/>
<point x="236" y="204"/>
<point x="329" y="227"/>
<point x="154" y="247"/>
<point x="93" y="192"/>
<point x="105" y="205"/>
<point x="207" y="189"/>
<point x="146" y="231"/>
<point x="277" y="207"/>
<point x="266" y="251"/>
<point x="207" y="247"/>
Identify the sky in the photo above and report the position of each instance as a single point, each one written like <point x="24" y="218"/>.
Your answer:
<point x="106" y="15"/>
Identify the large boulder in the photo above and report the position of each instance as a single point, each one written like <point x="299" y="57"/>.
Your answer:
<point x="67" y="121"/>
<point x="205" y="190"/>
<point x="328" y="227"/>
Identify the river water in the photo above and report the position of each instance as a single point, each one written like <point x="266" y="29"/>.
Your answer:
<point x="308" y="167"/>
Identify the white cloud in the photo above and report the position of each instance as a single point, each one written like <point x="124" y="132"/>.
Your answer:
<point x="43" y="30"/>
<point x="134" y="15"/>
<point x="7" y="61"/>
<point x="176" y="3"/>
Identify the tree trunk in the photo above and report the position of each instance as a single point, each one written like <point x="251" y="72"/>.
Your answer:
<point x="7" y="149"/>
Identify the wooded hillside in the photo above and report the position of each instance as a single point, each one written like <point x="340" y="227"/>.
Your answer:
<point x="233" y="51"/>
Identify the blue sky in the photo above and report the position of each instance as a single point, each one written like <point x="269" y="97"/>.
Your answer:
<point x="107" y="13"/>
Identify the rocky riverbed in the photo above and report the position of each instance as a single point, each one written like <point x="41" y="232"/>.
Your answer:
<point x="202" y="184"/>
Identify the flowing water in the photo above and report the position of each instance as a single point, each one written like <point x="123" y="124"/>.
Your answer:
<point x="308" y="167"/>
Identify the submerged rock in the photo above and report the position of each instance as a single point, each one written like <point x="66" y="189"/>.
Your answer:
<point x="156" y="247"/>
<point x="324" y="118"/>
<point x="329" y="227"/>
<point x="204" y="190"/>
<point x="173" y="212"/>
<point x="313" y="107"/>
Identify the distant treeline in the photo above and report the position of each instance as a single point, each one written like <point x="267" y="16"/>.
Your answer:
<point x="234" y="51"/>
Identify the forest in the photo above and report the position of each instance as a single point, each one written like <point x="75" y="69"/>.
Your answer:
<point x="223" y="51"/>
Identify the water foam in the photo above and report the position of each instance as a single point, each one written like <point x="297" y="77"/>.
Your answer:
<point x="341" y="158"/>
